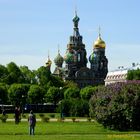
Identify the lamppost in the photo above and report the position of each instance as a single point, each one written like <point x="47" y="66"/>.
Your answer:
<point x="61" y="113"/>
<point x="23" y="103"/>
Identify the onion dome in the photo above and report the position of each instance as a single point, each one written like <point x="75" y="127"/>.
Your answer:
<point x="69" y="57"/>
<point x="76" y="20"/>
<point x="99" y="43"/>
<point x="49" y="62"/>
<point x="91" y="58"/>
<point x="58" y="60"/>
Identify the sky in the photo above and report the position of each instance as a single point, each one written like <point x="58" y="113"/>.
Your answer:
<point x="31" y="28"/>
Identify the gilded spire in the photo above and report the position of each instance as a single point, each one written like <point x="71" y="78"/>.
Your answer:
<point x="99" y="32"/>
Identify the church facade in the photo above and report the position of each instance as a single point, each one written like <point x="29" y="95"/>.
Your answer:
<point x="76" y="60"/>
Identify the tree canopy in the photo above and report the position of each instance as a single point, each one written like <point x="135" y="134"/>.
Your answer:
<point x="19" y="86"/>
<point x="36" y="94"/>
<point x="53" y="95"/>
<point x="133" y="74"/>
<point x="15" y="75"/>
<point x="87" y="92"/>
<point x="18" y="92"/>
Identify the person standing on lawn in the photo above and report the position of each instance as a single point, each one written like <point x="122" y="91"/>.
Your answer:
<point x="32" y="122"/>
<point x="17" y="115"/>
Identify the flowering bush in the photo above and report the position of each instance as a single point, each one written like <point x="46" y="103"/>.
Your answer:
<point x="117" y="106"/>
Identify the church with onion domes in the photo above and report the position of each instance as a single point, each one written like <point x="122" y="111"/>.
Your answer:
<point x="75" y="59"/>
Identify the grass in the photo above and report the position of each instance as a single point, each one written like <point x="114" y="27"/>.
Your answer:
<point x="63" y="131"/>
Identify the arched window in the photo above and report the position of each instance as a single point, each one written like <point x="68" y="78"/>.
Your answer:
<point x="79" y="57"/>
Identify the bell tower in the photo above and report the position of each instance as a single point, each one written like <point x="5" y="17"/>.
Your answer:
<point x="75" y="57"/>
<point x="98" y="60"/>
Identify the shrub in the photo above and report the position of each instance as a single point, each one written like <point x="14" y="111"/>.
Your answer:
<point x="72" y="92"/>
<point x="89" y="119"/>
<point x="117" y="106"/>
<point x="45" y="119"/>
<point x="4" y="118"/>
<point x="52" y="115"/>
<point x="73" y="119"/>
<point x="41" y="115"/>
<point x="60" y="119"/>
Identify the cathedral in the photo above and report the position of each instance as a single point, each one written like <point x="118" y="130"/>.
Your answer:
<point x="75" y="59"/>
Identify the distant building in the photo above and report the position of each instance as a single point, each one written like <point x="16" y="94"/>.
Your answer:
<point x="120" y="74"/>
<point x="76" y="60"/>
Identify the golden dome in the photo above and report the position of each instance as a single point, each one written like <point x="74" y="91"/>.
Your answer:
<point x="49" y="62"/>
<point x="99" y="43"/>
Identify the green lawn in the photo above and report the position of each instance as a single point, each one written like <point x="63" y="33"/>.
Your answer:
<point x="63" y="131"/>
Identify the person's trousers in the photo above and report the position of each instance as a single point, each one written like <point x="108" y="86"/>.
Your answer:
<point x="31" y="130"/>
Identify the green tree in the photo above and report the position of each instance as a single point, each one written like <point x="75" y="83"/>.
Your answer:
<point x="53" y="95"/>
<point x="43" y="75"/>
<point x="36" y="94"/>
<point x="79" y="108"/>
<point x="64" y="107"/>
<point x="57" y="81"/>
<point x="49" y="84"/>
<point x="18" y="93"/>
<point x="72" y="92"/>
<point x="3" y="93"/>
<point x="15" y="75"/>
<point x="74" y="107"/>
<point x="3" y="74"/>
<point x="87" y="92"/>
<point x="29" y="76"/>
<point x="70" y="84"/>
<point x="133" y="74"/>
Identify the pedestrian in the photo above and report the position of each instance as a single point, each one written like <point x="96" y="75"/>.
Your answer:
<point x="3" y="112"/>
<point x="17" y="115"/>
<point x="32" y="122"/>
